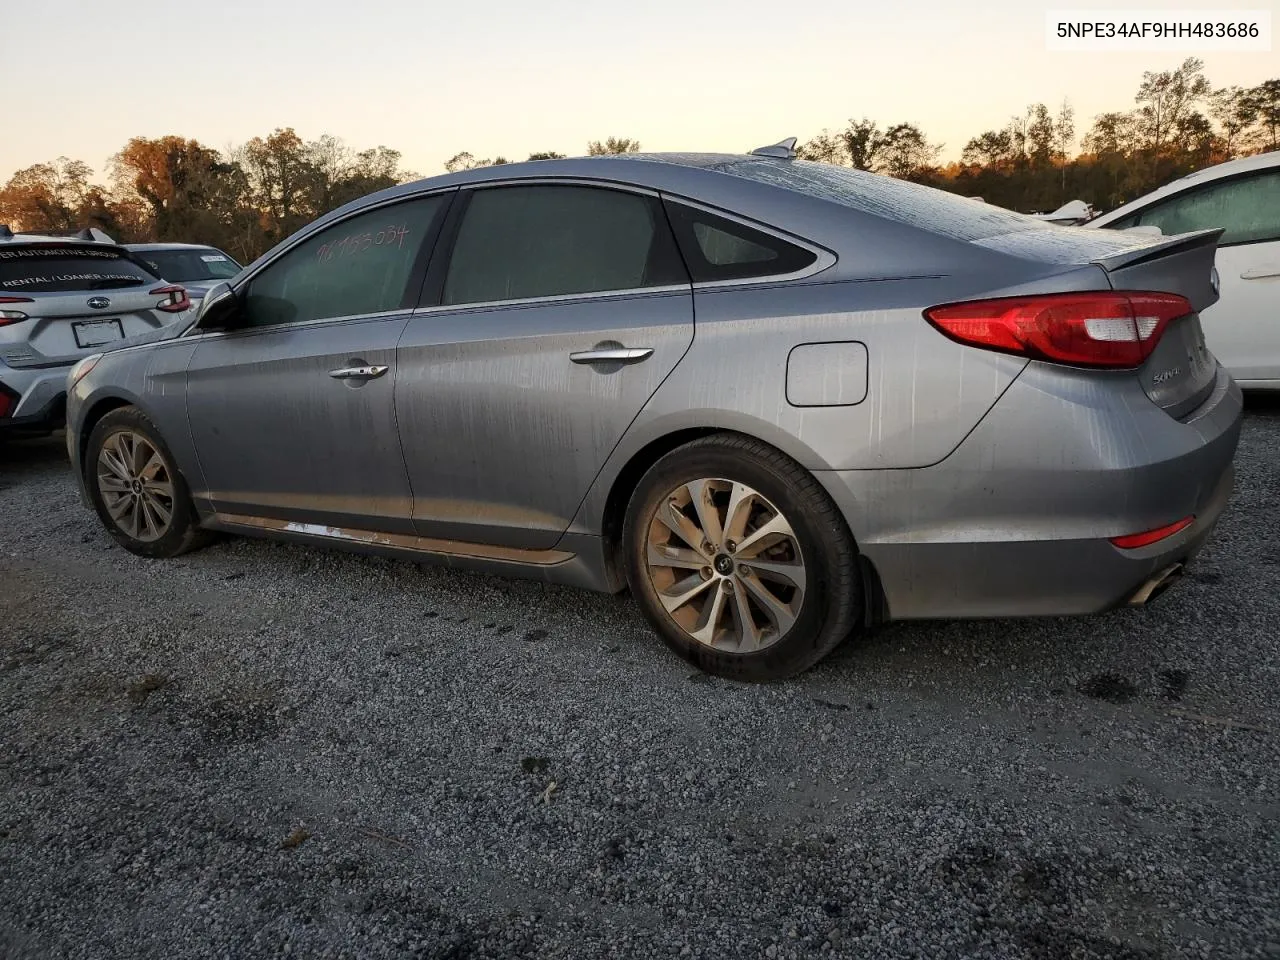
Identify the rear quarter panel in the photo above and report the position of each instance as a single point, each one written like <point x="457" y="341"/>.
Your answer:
<point x="924" y="392"/>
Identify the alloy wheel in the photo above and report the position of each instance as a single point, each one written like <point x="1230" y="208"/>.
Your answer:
<point x="726" y="565"/>
<point x="136" y="486"/>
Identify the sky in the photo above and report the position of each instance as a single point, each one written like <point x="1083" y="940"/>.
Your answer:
<point x="433" y="78"/>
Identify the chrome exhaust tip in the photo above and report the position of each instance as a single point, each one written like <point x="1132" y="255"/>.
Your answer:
<point x="1156" y="585"/>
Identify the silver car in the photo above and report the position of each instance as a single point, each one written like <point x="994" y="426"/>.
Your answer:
<point x="62" y="299"/>
<point x="779" y="400"/>
<point x="196" y="266"/>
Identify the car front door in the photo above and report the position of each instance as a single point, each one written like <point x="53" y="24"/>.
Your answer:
<point x="558" y="311"/>
<point x="292" y="411"/>
<point x="1243" y="327"/>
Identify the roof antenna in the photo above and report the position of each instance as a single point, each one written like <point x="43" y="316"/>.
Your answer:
<point x="786" y="149"/>
<point x="5" y="232"/>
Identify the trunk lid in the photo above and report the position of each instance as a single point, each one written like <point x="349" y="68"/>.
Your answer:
<point x="62" y="327"/>
<point x="1181" y="372"/>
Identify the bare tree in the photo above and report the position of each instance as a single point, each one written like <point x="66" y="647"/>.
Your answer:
<point x="1064" y="136"/>
<point x="1235" y="112"/>
<point x="1165" y="98"/>
<point x="824" y="148"/>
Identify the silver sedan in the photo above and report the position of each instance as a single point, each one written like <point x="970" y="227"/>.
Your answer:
<point x="780" y="401"/>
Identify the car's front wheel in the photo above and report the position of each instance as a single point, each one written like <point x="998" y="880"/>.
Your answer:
<point x="740" y="559"/>
<point x="137" y="489"/>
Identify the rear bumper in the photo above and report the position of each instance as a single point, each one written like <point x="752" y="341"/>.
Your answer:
<point x="1018" y="520"/>
<point x="41" y="395"/>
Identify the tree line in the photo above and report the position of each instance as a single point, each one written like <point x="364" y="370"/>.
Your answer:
<point x="1180" y="123"/>
<point x="247" y="198"/>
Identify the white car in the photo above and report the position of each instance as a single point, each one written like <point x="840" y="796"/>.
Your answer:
<point x="1243" y="197"/>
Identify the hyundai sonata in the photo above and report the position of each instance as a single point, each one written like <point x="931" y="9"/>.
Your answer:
<point x="779" y="400"/>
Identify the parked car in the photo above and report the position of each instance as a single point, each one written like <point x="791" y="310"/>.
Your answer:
<point x="196" y="266"/>
<point x="61" y="299"/>
<point x="1243" y="198"/>
<point x="779" y="400"/>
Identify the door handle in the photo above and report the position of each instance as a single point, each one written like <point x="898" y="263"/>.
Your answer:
<point x="358" y="373"/>
<point x="612" y="355"/>
<point x="1262" y="273"/>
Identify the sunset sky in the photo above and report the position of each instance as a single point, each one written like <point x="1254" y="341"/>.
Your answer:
<point x="513" y="76"/>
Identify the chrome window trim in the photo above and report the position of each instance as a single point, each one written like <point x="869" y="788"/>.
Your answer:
<point x="825" y="259"/>
<point x="196" y="334"/>
<point x="665" y="290"/>
<point x="304" y="235"/>
<point x="565" y="181"/>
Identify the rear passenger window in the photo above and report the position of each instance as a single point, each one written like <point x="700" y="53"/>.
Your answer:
<point x="716" y="248"/>
<point x="524" y="242"/>
<point x="59" y="269"/>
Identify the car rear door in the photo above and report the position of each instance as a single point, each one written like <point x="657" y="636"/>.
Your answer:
<point x="292" y="415"/>
<point x="550" y="318"/>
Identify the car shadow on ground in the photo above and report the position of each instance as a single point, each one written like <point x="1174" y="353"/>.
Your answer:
<point x="20" y="456"/>
<point x="1132" y="643"/>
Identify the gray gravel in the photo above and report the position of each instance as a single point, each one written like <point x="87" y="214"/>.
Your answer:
<point x="260" y="750"/>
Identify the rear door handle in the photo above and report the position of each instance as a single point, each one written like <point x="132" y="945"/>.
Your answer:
<point x="1262" y="273"/>
<point x="358" y="373"/>
<point x="612" y="355"/>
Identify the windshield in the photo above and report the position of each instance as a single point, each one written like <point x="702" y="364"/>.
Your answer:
<point x="58" y="269"/>
<point x="185" y="266"/>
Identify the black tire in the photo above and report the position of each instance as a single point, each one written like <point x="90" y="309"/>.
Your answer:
<point x="183" y="533"/>
<point x="832" y="605"/>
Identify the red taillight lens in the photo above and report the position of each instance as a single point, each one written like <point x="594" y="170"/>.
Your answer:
<point x="1134" y="540"/>
<point x="12" y="316"/>
<point x="1111" y="329"/>
<point x="175" y="298"/>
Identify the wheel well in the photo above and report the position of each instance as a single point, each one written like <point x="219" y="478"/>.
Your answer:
<point x="615" y="512"/>
<point x="624" y="484"/>
<point x="96" y="413"/>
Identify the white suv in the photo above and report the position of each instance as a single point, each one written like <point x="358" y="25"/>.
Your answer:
<point x="1243" y="197"/>
<point x="61" y="299"/>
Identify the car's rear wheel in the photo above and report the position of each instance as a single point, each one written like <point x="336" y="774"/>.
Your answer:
<point x="136" y="487"/>
<point x="740" y="560"/>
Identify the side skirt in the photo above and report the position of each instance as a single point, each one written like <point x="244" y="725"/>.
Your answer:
<point x="582" y="565"/>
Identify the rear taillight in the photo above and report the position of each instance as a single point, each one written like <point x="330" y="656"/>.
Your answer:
<point x="8" y="401"/>
<point x="7" y="315"/>
<point x="1134" y="540"/>
<point x="175" y="298"/>
<point x="1112" y="329"/>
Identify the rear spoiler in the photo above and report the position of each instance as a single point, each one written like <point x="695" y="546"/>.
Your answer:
<point x="1181" y="243"/>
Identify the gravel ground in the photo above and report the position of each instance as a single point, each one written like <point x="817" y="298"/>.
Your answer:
<point x="261" y="750"/>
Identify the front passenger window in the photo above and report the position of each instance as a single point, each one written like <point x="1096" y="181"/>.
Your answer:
<point x="358" y="266"/>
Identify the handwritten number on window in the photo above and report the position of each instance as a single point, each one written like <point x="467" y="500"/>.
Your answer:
<point x="354" y="243"/>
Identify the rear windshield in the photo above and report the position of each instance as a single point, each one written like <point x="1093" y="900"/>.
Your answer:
<point x="185" y="266"/>
<point x="56" y="269"/>
<point x="937" y="211"/>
